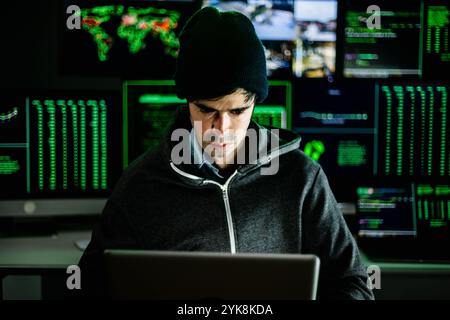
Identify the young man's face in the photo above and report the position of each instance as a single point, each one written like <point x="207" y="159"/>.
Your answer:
<point x="221" y="124"/>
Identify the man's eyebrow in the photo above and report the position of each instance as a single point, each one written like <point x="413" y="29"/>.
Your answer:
<point x="206" y="108"/>
<point x="241" y="108"/>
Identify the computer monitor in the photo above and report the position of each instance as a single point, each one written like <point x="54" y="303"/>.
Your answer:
<point x="413" y="129"/>
<point x="403" y="219"/>
<point x="336" y="124"/>
<point x="341" y="155"/>
<point x="299" y="36"/>
<point x="432" y="208"/>
<point x="110" y="38"/>
<point x="386" y="211"/>
<point x="60" y="152"/>
<point x="274" y="24"/>
<point x="150" y="107"/>
<point x="386" y="228"/>
<point x="383" y="39"/>
<point x="369" y="129"/>
<point x="273" y="19"/>
<point x="316" y="23"/>
<point x="157" y="275"/>
<point x="337" y="106"/>
<point x="436" y="38"/>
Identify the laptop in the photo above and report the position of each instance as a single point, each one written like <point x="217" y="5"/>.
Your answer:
<point x="177" y="275"/>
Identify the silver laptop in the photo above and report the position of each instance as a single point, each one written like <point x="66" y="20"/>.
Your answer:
<point x="181" y="275"/>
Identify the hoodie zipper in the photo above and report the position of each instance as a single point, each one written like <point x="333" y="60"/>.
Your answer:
<point x="225" y="197"/>
<point x="226" y="201"/>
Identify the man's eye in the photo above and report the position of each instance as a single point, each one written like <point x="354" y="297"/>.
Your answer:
<point x="237" y="111"/>
<point x="206" y="110"/>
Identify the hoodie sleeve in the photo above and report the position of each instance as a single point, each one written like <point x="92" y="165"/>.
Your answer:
<point x="113" y="231"/>
<point x="325" y="234"/>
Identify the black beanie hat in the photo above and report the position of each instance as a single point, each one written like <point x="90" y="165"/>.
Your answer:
<point x="219" y="52"/>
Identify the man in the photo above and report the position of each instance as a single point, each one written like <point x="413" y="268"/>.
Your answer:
<point x="213" y="201"/>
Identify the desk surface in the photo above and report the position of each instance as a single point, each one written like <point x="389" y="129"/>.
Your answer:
<point x="408" y="267"/>
<point x="52" y="252"/>
<point x="59" y="251"/>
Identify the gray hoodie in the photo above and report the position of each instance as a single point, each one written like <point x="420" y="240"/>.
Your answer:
<point x="158" y="205"/>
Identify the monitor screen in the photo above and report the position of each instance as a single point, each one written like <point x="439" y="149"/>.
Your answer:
<point x="382" y="40"/>
<point x="370" y="129"/>
<point x="414" y="131"/>
<point x="341" y="156"/>
<point x="386" y="211"/>
<point x="336" y="124"/>
<point x="118" y="39"/>
<point x="316" y="23"/>
<point x="401" y="219"/>
<point x="272" y="19"/>
<point x="150" y="107"/>
<point x="274" y="24"/>
<point x="59" y="145"/>
<point x="299" y="36"/>
<point x="343" y="106"/>
<point x="436" y="52"/>
<point x="432" y="208"/>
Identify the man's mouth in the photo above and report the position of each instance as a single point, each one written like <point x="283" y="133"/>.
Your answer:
<point x="219" y="145"/>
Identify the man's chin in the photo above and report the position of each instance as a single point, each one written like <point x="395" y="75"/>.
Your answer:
<point x="223" y="161"/>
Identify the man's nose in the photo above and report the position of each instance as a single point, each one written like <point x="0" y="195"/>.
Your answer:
<point x="222" y="122"/>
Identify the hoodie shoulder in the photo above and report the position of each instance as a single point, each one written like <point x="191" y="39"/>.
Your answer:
<point x="301" y="163"/>
<point x="144" y="169"/>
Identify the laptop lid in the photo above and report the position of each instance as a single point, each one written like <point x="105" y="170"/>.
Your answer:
<point x="177" y="275"/>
